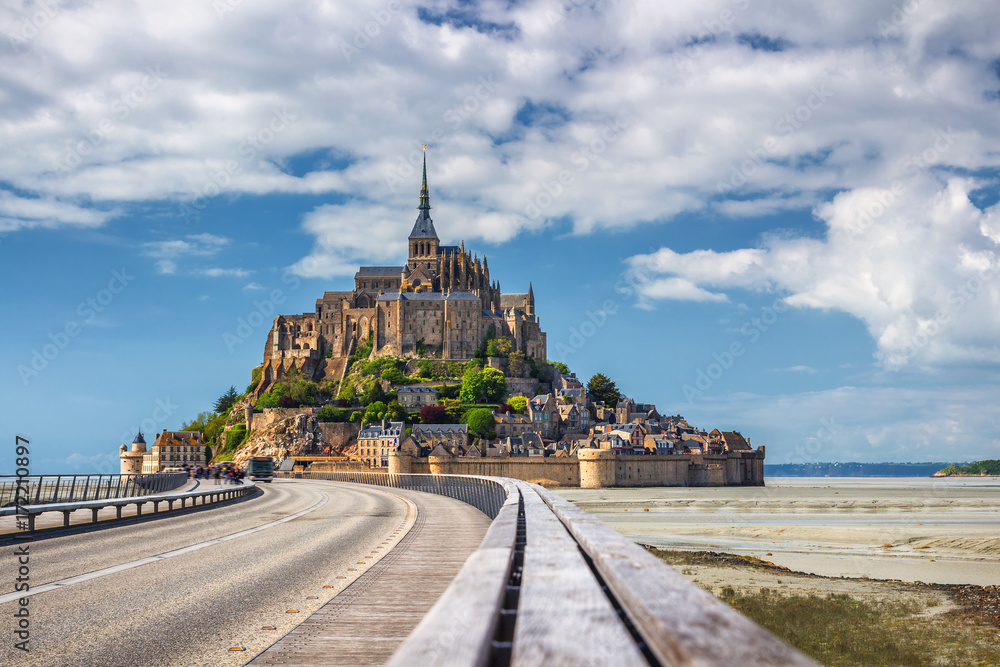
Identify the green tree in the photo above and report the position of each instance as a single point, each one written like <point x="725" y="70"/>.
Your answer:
<point x="357" y="416"/>
<point x="226" y="401"/>
<point x="373" y="392"/>
<point x="303" y="392"/>
<point x="488" y="384"/>
<point x="603" y="389"/>
<point x="375" y="411"/>
<point x="519" y="404"/>
<point x="560" y="367"/>
<point x="505" y="346"/>
<point x="517" y="364"/>
<point x="396" y="413"/>
<point x="208" y="454"/>
<point x="348" y="392"/>
<point x="482" y="423"/>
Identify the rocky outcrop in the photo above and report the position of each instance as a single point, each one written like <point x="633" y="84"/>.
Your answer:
<point x="297" y="435"/>
<point x="291" y="432"/>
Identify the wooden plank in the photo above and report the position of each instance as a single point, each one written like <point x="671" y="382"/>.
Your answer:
<point x="563" y="616"/>
<point x="681" y="623"/>
<point x="459" y="629"/>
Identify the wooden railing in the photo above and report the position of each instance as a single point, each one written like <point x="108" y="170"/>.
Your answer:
<point x="553" y="585"/>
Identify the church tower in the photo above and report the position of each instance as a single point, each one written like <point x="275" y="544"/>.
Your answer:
<point x="423" y="238"/>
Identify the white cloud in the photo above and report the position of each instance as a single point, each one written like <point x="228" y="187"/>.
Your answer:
<point x="253" y="287"/>
<point x="216" y="272"/>
<point x="799" y="369"/>
<point x="184" y="96"/>
<point x="166" y="266"/>
<point x="167" y="253"/>
<point x="916" y="262"/>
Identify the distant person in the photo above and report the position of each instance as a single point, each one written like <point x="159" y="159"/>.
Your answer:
<point x="216" y="475"/>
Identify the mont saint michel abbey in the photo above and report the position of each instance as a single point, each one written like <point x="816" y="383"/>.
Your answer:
<point x="442" y="304"/>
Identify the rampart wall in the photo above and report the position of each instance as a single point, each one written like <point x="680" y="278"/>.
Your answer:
<point x="592" y="468"/>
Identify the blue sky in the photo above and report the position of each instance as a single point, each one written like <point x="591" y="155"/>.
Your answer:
<point x="774" y="217"/>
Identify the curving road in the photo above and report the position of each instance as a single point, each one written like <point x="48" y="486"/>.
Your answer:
<point x="191" y="607"/>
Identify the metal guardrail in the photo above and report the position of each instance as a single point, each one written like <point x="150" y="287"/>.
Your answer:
<point x="212" y="494"/>
<point x="484" y="493"/>
<point x="551" y="584"/>
<point x="46" y="489"/>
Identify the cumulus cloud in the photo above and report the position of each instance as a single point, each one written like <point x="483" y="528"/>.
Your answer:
<point x="605" y="115"/>
<point x="216" y="272"/>
<point x="168" y="252"/>
<point x="916" y="262"/>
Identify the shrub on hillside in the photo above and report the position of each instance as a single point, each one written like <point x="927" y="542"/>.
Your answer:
<point x="433" y="414"/>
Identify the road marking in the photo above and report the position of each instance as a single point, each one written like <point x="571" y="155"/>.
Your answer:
<point x="63" y="583"/>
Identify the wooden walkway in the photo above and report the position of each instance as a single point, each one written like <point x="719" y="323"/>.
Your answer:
<point x="369" y="619"/>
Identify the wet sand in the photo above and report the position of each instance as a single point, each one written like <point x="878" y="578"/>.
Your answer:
<point x="943" y="530"/>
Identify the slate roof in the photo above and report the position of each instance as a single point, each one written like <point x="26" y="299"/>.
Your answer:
<point x="379" y="272"/>
<point x="417" y="390"/>
<point x="423" y="228"/>
<point x="375" y="430"/>
<point x="735" y="442"/>
<point x="444" y="428"/>
<point x="508" y="301"/>
<point x="428" y="296"/>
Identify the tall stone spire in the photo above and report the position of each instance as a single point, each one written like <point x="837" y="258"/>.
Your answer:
<point x="423" y="228"/>
<point x="425" y="195"/>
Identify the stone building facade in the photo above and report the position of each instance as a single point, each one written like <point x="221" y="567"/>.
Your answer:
<point x="442" y="303"/>
<point x="131" y="460"/>
<point x="175" y="449"/>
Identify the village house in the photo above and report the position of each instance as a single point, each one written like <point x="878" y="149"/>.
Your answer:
<point x="377" y="440"/>
<point x="416" y="397"/>
<point x="544" y="416"/>
<point x="449" y="436"/>
<point x="573" y="418"/>
<point x="511" y="424"/>
<point x="568" y="388"/>
<point x="173" y="450"/>
<point x="628" y="411"/>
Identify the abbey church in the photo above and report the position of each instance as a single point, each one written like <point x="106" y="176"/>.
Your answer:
<point x="441" y="304"/>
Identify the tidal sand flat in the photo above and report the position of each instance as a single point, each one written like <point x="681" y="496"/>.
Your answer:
<point x="935" y="530"/>
<point x="833" y="565"/>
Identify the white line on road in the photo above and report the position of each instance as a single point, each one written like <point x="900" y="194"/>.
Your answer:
<point x="62" y="583"/>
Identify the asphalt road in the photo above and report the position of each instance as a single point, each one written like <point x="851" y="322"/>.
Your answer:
<point x="191" y="608"/>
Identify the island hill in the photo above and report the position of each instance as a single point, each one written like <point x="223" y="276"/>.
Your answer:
<point x="431" y="368"/>
<point x="987" y="468"/>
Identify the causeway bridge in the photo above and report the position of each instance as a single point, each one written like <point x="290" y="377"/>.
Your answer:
<point x="350" y="568"/>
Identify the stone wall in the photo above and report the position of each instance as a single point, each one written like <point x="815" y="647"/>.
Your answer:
<point x="340" y="434"/>
<point x="595" y="468"/>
